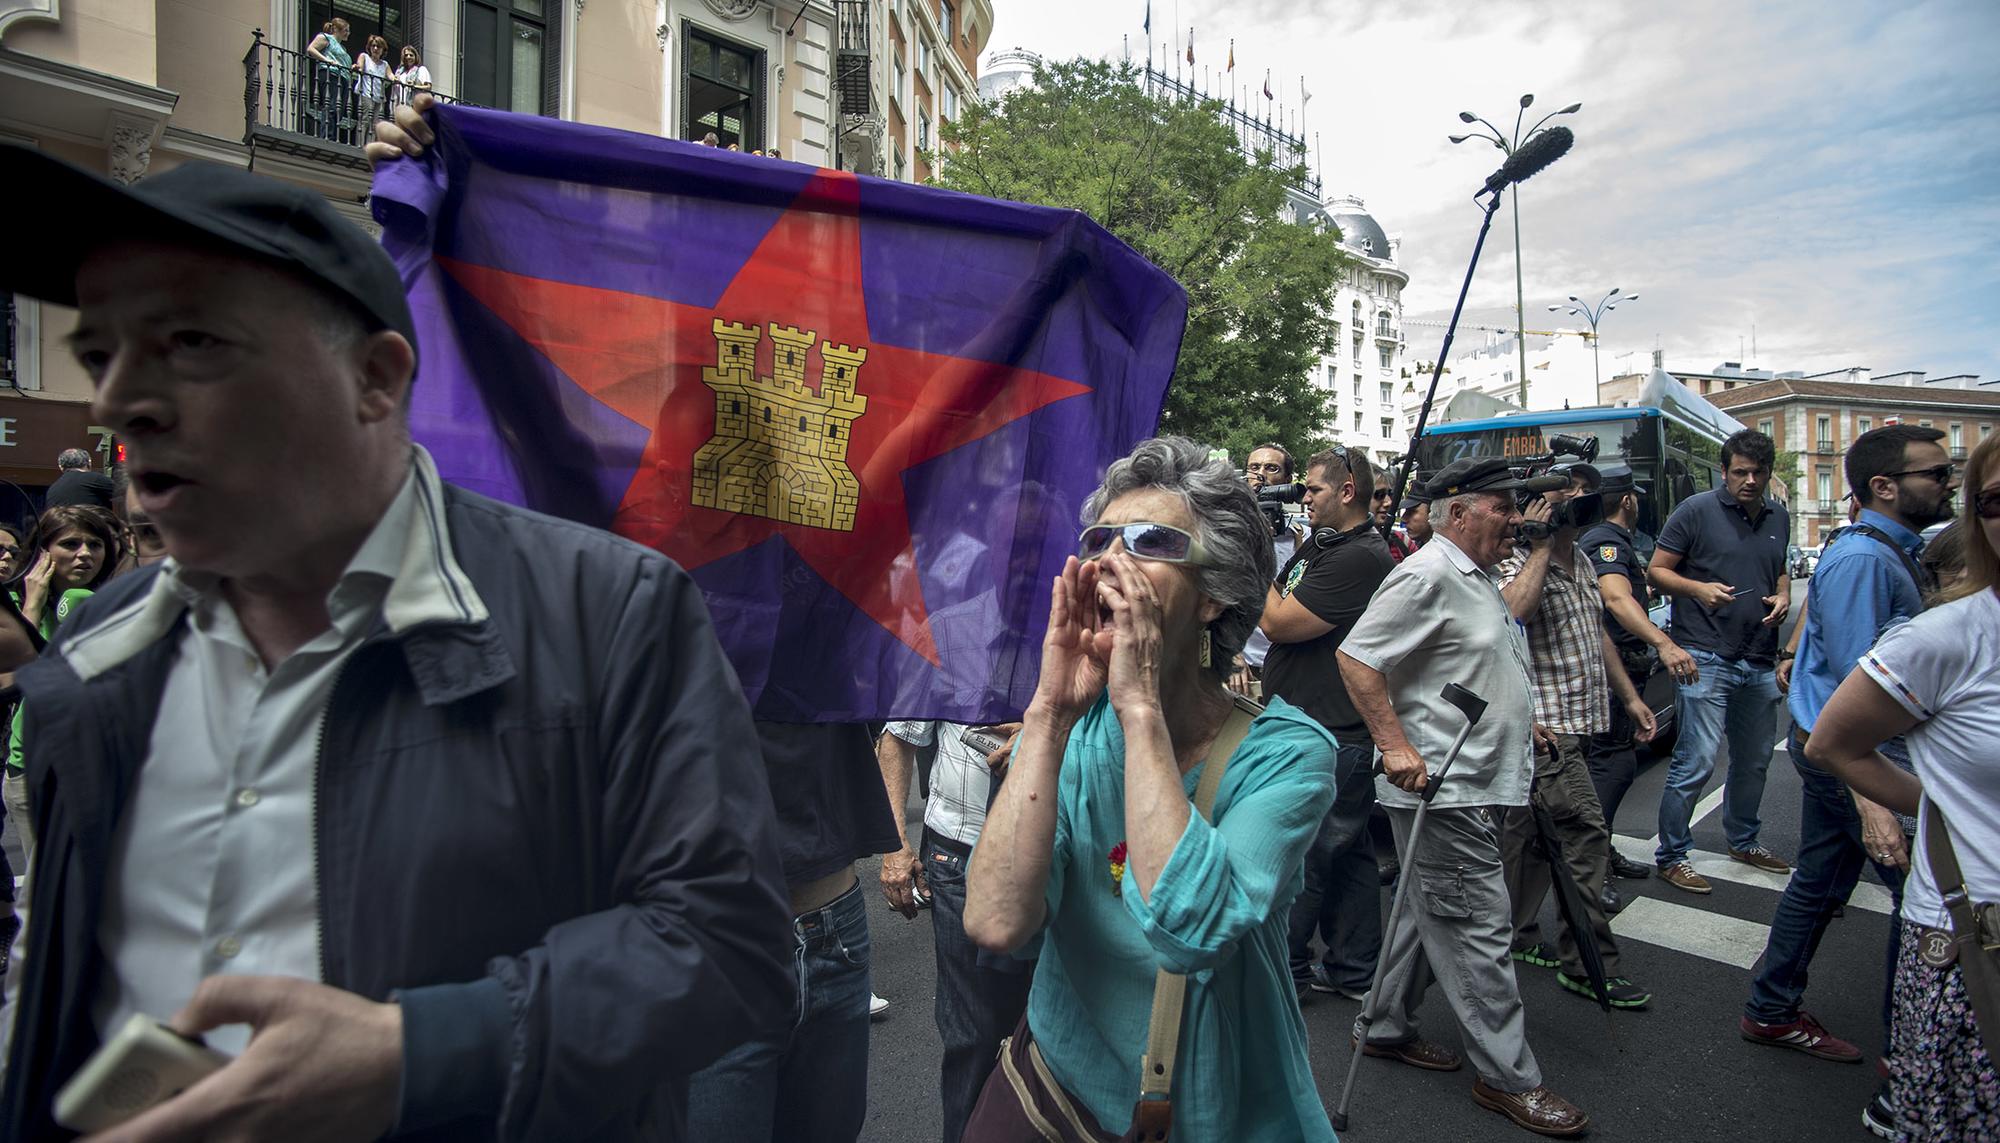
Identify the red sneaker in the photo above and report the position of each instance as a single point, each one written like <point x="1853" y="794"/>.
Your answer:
<point x="1804" y="1035"/>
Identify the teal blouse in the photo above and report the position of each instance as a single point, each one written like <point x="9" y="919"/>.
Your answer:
<point x="1218" y="913"/>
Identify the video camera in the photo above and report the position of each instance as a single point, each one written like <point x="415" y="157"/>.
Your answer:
<point x="1579" y="511"/>
<point x="1271" y="500"/>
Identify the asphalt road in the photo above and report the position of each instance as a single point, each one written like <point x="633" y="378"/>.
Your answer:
<point x="1676" y="1071"/>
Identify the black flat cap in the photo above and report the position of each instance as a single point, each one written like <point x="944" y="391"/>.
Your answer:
<point x="201" y="204"/>
<point x="1486" y="474"/>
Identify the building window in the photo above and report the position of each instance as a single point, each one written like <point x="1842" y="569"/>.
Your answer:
<point x="1985" y="431"/>
<point x="1923" y="424"/>
<point x="902" y="82"/>
<point x="1332" y="377"/>
<point x="1824" y="479"/>
<point x="1388" y="356"/>
<point x="1357" y="386"/>
<point x="1863" y="424"/>
<point x="923" y="130"/>
<point x="924" y="58"/>
<point x="1357" y="422"/>
<point x="722" y="85"/>
<point x="945" y="20"/>
<point x="1958" y="442"/>
<point x="947" y="102"/>
<point x="900" y="164"/>
<point x="1388" y="427"/>
<point x="1825" y="436"/>
<point x="508" y="50"/>
<point x="1388" y="392"/>
<point x="1764" y="427"/>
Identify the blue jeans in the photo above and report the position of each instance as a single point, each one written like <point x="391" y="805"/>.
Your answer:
<point x="1732" y="698"/>
<point x="1342" y="898"/>
<point x="810" y="1083"/>
<point x="1829" y="865"/>
<point x="980" y="995"/>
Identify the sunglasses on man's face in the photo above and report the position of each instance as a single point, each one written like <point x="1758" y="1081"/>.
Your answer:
<point x="1939" y="472"/>
<point x="1144" y="539"/>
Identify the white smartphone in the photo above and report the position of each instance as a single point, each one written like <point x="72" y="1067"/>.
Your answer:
<point x="143" y="1064"/>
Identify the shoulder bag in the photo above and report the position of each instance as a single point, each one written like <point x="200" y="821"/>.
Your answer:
<point x="1974" y="940"/>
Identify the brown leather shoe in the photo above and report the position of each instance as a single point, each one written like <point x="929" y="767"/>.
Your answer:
<point x="1416" y="1053"/>
<point x="1761" y="858"/>
<point x="1537" y="1109"/>
<point x="1681" y="875"/>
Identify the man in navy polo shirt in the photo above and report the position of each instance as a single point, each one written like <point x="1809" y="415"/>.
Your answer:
<point x="1722" y="557"/>
<point x="1870" y="580"/>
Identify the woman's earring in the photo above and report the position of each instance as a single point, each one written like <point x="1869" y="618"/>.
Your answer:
<point x="1207" y="653"/>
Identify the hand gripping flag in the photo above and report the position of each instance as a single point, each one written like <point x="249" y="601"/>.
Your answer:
<point x="864" y="415"/>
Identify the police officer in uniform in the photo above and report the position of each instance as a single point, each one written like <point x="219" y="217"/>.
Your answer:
<point x="1621" y="580"/>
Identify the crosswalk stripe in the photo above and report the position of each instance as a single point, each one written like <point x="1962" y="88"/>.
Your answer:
<point x="1721" y="867"/>
<point x="1697" y="931"/>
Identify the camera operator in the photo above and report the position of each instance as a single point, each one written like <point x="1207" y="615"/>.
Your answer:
<point x="1269" y="466"/>
<point x="1319" y="595"/>
<point x="1437" y="619"/>
<point x="1621" y="582"/>
<point x="1551" y="590"/>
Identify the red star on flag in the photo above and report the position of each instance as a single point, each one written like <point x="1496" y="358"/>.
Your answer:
<point x="644" y="356"/>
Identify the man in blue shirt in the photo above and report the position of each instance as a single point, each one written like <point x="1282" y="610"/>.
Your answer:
<point x="1722" y="557"/>
<point x="1868" y="581"/>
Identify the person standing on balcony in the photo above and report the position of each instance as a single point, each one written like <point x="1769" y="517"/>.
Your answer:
<point x="329" y="74"/>
<point x="411" y="76"/>
<point x="370" y="85"/>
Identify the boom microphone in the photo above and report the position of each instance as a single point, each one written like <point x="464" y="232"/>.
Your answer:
<point x="1545" y="148"/>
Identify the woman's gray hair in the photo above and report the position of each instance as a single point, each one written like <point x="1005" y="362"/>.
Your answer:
<point x="1226" y="521"/>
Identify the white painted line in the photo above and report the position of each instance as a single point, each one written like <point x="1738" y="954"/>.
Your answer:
<point x="1695" y="931"/>
<point x="1721" y="867"/>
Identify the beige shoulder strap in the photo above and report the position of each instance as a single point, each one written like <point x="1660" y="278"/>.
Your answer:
<point x="1163" y="1035"/>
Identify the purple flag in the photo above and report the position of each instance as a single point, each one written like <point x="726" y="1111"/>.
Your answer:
<point x="864" y="415"/>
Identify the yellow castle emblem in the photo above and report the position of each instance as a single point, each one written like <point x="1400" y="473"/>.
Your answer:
<point x="780" y="449"/>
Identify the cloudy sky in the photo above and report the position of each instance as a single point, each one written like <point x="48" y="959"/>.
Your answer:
<point x="1821" y="170"/>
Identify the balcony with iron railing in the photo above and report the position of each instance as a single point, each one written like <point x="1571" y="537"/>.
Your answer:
<point x="1825" y="446"/>
<point x="1958" y="452"/>
<point x="852" y="65"/>
<point x="296" y="105"/>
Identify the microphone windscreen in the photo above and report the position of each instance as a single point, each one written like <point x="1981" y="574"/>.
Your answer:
<point x="1545" y="148"/>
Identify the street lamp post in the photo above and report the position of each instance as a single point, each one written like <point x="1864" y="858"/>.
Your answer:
<point x="1509" y="145"/>
<point x="1593" y="315"/>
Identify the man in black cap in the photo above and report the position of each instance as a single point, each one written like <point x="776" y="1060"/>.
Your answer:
<point x="1439" y="618"/>
<point x="1621" y="582"/>
<point x="444" y="800"/>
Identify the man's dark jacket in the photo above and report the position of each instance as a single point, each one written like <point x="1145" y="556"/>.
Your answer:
<point x="548" y="831"/>
<point x="80" y="486"/>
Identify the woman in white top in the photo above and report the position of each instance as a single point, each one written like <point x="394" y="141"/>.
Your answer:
<point x="411" y="75"/>
<point x="371" y="83"/>
<point x="1936" y="680"/>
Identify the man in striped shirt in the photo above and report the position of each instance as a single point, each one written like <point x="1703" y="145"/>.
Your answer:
<point x="1551" y="590"/>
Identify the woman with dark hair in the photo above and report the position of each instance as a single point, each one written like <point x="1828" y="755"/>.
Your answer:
<point x="333" y="66"/>
<point x="1150" y="824"/>
<point x="1936" y="681"/>
<point x="78" y="549"/>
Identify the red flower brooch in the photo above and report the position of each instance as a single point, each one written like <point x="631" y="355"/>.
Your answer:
<point x="1118" y="870"/>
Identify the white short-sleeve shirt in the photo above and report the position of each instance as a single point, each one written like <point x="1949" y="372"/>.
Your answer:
<point x="1944" y="668"/>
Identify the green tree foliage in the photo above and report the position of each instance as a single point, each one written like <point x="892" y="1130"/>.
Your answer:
<point x="1168" y="179"/>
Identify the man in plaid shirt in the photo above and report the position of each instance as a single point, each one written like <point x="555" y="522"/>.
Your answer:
<point x="1551" y="589"/>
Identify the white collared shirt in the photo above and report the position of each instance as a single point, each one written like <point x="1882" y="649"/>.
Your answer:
<point x="213" y="861"/>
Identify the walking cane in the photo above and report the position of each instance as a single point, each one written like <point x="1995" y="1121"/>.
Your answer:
<point x="1473" y="707"/>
